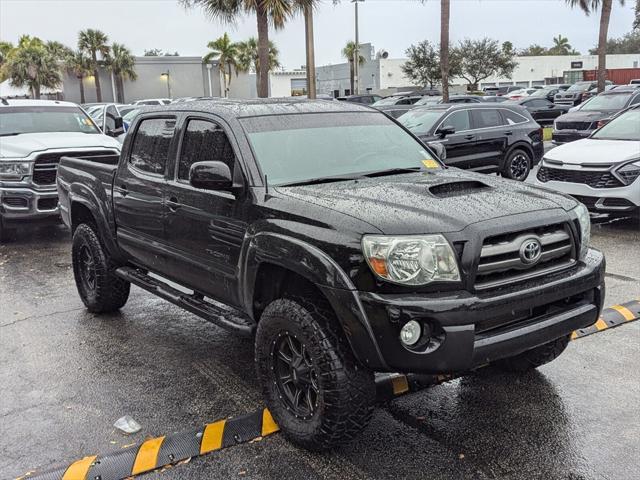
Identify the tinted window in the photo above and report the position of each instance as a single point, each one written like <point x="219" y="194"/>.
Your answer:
<point x="512" y="117"/>
<point x="458" y="120"/>
<point x="204" y="141"/>
<point x="486" y="118"/>
<point x="537" y="103"/>
<point x="150" y="148"/>
<point x="420" y="121"/>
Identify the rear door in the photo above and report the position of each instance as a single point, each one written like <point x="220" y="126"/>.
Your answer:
<point x="205" y="228"/>
<point x="460" y="145"/>
<point x="491" y="139"/>
<point x="139" y="192"/>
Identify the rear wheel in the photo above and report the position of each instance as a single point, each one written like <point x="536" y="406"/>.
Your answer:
<point x="318" y="394"/>
<point x="535" y="357"/>
<point x="517" y="165"/>
<point x="100" y="289"/>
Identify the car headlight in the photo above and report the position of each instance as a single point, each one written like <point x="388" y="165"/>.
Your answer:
<point x="629" y="172"/>
<point x="14" y="170"/>
<point x="411" y="260"/>
<point x="585" y="228"/>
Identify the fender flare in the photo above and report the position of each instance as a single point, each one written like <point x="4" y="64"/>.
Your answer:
<point x="519" y="146"/>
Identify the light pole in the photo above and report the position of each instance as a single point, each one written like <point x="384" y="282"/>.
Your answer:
<point x="356" y="54"/>
<point x="167" y="74"/>
<point x="209" y="67"/>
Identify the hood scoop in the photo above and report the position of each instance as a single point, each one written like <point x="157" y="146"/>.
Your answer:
<point x="456" y="189"/>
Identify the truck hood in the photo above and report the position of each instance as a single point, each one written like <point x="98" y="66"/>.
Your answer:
<point x="590" y="151"/>
<point x="436" y="201"/>
<point x="23" y="145"/>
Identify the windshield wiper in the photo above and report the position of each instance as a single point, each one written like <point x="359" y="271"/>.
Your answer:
<point x="318" y="180"/>
<point x="10" y="134"/>
<point x="392" y="171"/>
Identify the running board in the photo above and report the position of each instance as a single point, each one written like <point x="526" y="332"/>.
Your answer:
<point x="225" y="317"/>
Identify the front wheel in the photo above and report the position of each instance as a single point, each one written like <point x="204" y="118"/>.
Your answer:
<point x="517" y="165"/>
<point x="535" y="357"/>
<point x="318" y="394"/>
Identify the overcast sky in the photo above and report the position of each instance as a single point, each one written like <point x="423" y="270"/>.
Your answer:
<point x="389" y="24"/>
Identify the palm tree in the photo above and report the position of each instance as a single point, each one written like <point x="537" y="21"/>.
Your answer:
<point x="58" y="50"/>
<point x="306" y="8"/>
<point x="349" y="52"/>
<point x="226" y="52"/>
<point x="77" y="65"/>
<point x="272" y="13"/>
<point x="445" y="12"/>
<point x="589" y="6"/>
<point x="248" y="59"/>
<point x="121" y="63"/>
<point x="31" y="64"/>
<point x="561" y="46"/>
<point x="94" y="42"/>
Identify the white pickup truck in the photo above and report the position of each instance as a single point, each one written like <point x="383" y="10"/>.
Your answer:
<point x="34" y="134"/>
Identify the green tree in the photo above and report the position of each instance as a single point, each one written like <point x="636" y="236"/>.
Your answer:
<point x="58" y="50"/>
<point x="628" y="43"/>
<point x="153" y="52"/>
<point x="534" y="50"/>
<point x="5" y="49"/>
<point x="226" y="53"/>
<point x="94" y="42"/>
<point x="636" y="20"/>
<point x="481" y="59"/>
<point x="423" y="64"/>
<point x="32" y="65"/>
<point x="122" y="64"/>
<point x="349" y="52"/>
<point x="248" y="60"/>
<point x="561" y="46"/>
<point x="78" y="65"/>
<point x="605" y="7"/>
<point x="269" y="13"/>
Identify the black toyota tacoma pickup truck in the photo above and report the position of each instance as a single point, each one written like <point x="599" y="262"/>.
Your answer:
<point x="337" y="240"/>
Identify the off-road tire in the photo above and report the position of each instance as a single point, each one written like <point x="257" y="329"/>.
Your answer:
<point x="535" y="357"/>
<point x="108" y="292"/>
<point x="517" y="165"/>
<point x="346" y="395"/>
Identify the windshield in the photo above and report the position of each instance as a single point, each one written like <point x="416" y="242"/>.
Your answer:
<point x="39" y="119"/>
<point x="308" y="147"/>
<point x="608" y="102"/>
<point x="387" y="101"/>
<point x="579" y="87"/>
<point x="623" y="127"/>
<point x="420" y="121"/>
<point x="129" y="116"/>
<point x="431" y="100"/>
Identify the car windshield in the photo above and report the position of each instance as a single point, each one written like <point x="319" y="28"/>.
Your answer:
<point x="615" y="101"/>
<point x="624" y="127"/>
<point x="387" y="101"/>
<point x="420" y="121"/>
<point x="579" y="87"/>
<point x="310" y="148"/>
<point x="430" y="100"/>
<point x="541" y="92"/>
<point x="15" y="120"/>
<point x="130" y="115"/>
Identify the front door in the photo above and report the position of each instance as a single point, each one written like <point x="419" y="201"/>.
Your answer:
<point x="205" y="228"/>
<point x="460" y="145"/>
<point x="139" y="190"/>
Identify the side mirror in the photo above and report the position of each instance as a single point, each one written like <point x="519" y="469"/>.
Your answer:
<point x="439" y="150"/>
<point x="446" y="130"/>
<point x="211" y="176"/>
<point x="118" y="128"/>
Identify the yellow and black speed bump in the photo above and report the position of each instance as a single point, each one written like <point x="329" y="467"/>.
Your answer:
<point x="611" y="317"/>
<point x="161" y="451"/>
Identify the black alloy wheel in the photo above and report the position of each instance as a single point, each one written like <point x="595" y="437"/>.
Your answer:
<point x="517" y="165"/>
<point x="87" y="269"/>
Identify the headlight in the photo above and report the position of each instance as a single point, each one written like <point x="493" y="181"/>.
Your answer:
<point x="585" y="228"/>
<point x="629" y="172"/>
<point x="411" y="260"/>
<point x="14" y="170"/>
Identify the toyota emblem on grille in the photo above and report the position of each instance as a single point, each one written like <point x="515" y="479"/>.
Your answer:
<point x="530" y="251"/>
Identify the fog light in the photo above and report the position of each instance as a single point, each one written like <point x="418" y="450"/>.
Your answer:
<point x="410" y="333"/>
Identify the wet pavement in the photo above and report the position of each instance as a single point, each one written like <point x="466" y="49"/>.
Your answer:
<point x="66" y="376"/>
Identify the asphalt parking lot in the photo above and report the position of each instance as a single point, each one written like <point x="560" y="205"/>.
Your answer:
<point x="67" y="375"/>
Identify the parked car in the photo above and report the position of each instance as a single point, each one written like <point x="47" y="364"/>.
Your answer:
<point x="549" y="91"/>
<point x="522" y="93"/>
<point x="153" y="101"/>
<point x="367" y="99"/>
<point x="396" y="100"/>
<point x="465" y="99"/>
<point x="635" y="81"/>
<point x="542" y="110"/>
<point x="575" y="94"/>
<point x="594" y="91"/>
<point x="581" y="123"/>
<point x="499" y="91"/>
<point x="341" y="245"/>
<point x="494" y="99"/>
<point x="34" y="134"/>
<point x="485" y="138"/>
<point x="601" y="171"/>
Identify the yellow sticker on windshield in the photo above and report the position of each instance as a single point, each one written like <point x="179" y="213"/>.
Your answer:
<point x="430" y="163"/>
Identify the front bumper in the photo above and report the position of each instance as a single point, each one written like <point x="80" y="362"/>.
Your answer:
<point x="565" y="136"/>
<point x="19" y="205"/>
<point x="473" y="329"/>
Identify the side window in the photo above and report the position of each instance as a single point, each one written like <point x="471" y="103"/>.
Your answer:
<point x="486" y="117"/>
<point x="512" y="117"/>
<point x="537" y="103"/>
<point x="150" y="148"/>
<point x="458" y="120"/>
<point x="204" y="141"/>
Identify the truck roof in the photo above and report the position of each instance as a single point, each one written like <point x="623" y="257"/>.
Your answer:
<point x="35" y="103"/>
<point x="264" y="106"/>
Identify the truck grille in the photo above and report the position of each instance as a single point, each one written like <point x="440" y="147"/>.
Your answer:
<point x="46" y="165"/>
<point x="504" y="258"/>
<point x="592" y="178"/>
<point x="573" y="125"/>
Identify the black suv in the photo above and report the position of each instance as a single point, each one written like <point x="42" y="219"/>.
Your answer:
<point x="576" y="93"/>
<point x="366" y="99"/>
<point x="482" y="137"/>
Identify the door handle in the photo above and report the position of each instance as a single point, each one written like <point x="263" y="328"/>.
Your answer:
<point x="508" y="133"/>
<point x="469" y="137"/>
<point x="173" y="204"/>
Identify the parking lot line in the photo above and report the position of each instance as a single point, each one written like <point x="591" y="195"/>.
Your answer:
<point x="159" y="452"/>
